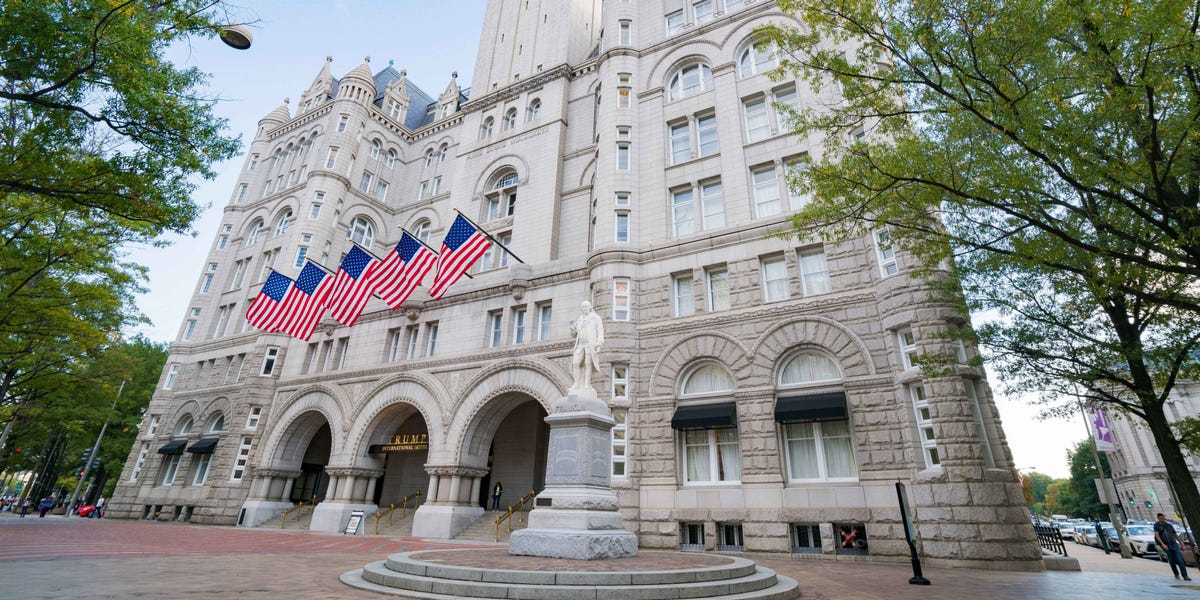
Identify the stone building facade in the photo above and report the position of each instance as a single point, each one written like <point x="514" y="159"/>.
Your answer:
<point x="1138" y="471"/>
<point x="632" y="154"/>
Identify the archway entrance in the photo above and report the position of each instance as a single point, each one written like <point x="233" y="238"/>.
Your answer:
<point x="405" y="453"/>
<point x="312" y="482"/>
<point x="516" y="451"/>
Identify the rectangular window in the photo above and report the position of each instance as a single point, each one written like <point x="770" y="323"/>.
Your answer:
<point x="222" y="242"/>
<point x="621" y="199"/>
<point x="495" y="323"/>
<point x="343" y="120"/>
<point x="431" y="338"/>
<point x="170" y="468"/>
<point x="337" y="359"/>
<point x="621" y="299"/>
<point x="624" y="32"/>
<point x="908" y="348"/>
<point x="413" y="333"/>
<point x="618" y="434"/>
<point x="685" y="299"/>
<point x="885" y="253"/>
<point x="242" y="192"/>
<point x="153" y="427"/>
<point x="437" y="186"/>
<point x="268" y="260"/>
<point x="711" y="455"/>
<point x="301" y="253"/>
<point x="683" y="212"/>
<point x="758" y="123"/>
<point x="718" y="289"/>
<point x="622" y="157"/>
<point x="729" y="537"/>
<point x="202" y="469"/>
<point x="766" y="191"/>
<point x="189" y="328"/>
<point x="381" y="189"/>
<point x="795" y="168"/>
<point x="806" y="538"/>
<point x="623" y="94"/>
<point x="291" y="177"/>
<point x="814" y="272"/>
<point x="518" y="326"/>
<point x="242" y="459"/>
<point x="172" y="375"/>
<point x="820" y="450"/>
<point x="331" y="158"/>
<point x="395" y="344"/>
<point x="314" y="211"/>
<point x="253" y="162"/>
<point x="364" y="183"/>
<point x="206" y="283"/>
<point x="223" y="314"/>
<point x="924" y="419"/>
<point x="774" y="279"/>
<point x="712" y="203"/>
<point x="681" y="143"/>
<point x="691" y="537"/>
<point x="977" y="411"/>
<point x="254" y="417"/>
<point x="141" y="462"/>
<point x="623" y="133"/>
<point x="675" y="22"/>
<point x="621" y="223"/>
<point x="851" y="538"/>
<point x="620" y="380"/>
<point x="423" y="192"/>
<point x="269" y="358"/>
<point x="706" y="135"/>
<point x="703" y="9"/>
<point x="543" y="322"/>
<point x="785" y="97"/>
<point x="239" y="271"/>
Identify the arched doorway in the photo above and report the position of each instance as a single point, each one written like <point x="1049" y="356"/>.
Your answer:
<point x="404" y="453"/>
<point x="516" y="437"/>
<point x="312" y="482"/>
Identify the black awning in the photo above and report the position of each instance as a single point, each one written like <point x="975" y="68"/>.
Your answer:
<point x="204" y="446"/>
<point x="828" y="406"/>
<point x="705" y="416"/>
<point x="173" y="447"/>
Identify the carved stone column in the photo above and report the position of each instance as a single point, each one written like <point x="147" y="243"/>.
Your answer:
<point x="447" y="512"/>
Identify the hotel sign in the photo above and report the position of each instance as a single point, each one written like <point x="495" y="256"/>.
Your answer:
<point x="411" y="442"/>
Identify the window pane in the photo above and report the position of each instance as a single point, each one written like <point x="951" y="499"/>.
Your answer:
<point x="766" y="192"/>
<point x="713" y="204"/>
<point x="680" y="143"/>
<point x="815" y="273"/>
<point x="706" y="128"/>
<point x="758" y="125"/>
<point x="807" y="367"/>
<point x="839" y="455"/>
<point x="683" y="212"/>
<point x="708" y="379"/>
<point x="802" y="451"/>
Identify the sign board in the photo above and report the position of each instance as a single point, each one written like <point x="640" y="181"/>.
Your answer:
<point x="1111" y="497"/>
<point x="904" y="512"/>
<point x="354" y="522"/>
<point x="414" y="442"/>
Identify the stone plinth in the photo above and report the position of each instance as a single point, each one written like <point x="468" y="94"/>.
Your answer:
<point x="576" y="515"/>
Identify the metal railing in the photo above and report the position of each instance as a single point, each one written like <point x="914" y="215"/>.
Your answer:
<point x="299" y="508"/>
<point x="392" y="508"/>
<point x="516" y="508"/>
<point x="1050" y="538"/>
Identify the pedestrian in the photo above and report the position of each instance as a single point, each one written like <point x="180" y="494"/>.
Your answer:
<point x="1168" y="539"/>
<point x="100" y="508"/>
<point x="496" y="493"/>
<point x="25" y="508"/>
<point x="45" y="506"/>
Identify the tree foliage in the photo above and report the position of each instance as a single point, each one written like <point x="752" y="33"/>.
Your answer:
<point x="1084" y="499"/>
<point x="1049" y="154"/>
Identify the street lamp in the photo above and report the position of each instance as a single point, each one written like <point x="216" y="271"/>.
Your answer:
<point x="236" y="36"/>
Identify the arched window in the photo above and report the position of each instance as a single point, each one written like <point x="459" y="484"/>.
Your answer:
<point x="282" y="222"/>
<point x="429" y="157"/>
<point x="707" y="379"/>
<point x="442" y="153"/>
<point x="808" y="367"/>
<point x="216" y="423"/>
<point x="376" y="146"/>
<point x="510" y="119"/>
<point x="757" y="57"/>
<point x="421" y="230"/>
<point x="502" y="196"/>
<point x="253" y="233"/>
<point x="534" y="111"/>
<point x="690" y="80"/>
<point x="818" y="443"/>
<point x="485" y="130"/>
<point x="362" y="232"/>
<point x="185" y="426"/>
<point x="391" y="158"/>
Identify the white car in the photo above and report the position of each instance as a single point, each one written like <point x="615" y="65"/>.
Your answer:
<point x="1067" y="530"/>
<point x="1141" y="539"/>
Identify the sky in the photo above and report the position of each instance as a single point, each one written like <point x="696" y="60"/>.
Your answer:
<point x="291" y="41"/>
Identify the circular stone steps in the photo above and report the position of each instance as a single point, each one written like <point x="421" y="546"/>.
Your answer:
<point x="445" y="574"/>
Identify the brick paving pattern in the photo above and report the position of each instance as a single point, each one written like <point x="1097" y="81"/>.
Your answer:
<point x="56" y="558"/>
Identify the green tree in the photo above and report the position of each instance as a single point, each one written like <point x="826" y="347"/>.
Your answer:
<point x="1084" y="499"/>
<point x="1039" y="483"/>
<point x="1059" y="498"/>
<point x="1048" y="154"/>
<point x="101" y="139"/>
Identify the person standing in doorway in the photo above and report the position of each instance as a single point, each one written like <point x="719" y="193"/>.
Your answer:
<point x="497" y="491"/>
<point x="1168" y="539"/>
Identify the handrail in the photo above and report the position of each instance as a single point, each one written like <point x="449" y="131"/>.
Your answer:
<point x="518" y="507"/>
<point x="404" y="504"/>
<point x="283" y="518"/>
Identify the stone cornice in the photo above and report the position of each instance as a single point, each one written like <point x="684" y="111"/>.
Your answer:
<point x="804" y="305"/>
<point x="300" y="120"/>
<point x="512" y="91"/>
<point x="353" y="472"/>
<point x="455" y="471"/>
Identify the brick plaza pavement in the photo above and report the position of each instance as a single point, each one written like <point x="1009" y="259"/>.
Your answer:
<point x="59" y="558"/>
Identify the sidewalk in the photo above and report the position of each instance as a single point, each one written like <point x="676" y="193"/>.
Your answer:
<point x="59" y="557"/>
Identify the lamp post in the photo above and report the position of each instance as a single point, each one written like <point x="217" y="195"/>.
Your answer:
<point x="237" y="37"/>
<point x="87" y="467"/>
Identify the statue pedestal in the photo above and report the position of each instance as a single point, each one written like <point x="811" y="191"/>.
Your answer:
<point x="576" y="516"/>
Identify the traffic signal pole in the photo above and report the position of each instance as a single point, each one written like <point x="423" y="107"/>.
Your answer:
<point x="87" y="467"/>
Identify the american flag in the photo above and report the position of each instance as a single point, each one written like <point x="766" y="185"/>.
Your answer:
<point x="352" y="286"/>
<point x="399" y="273"/>
<point x="305" y="302"/>
<point x="462" y="247"/>
<point x="264" y="313"/>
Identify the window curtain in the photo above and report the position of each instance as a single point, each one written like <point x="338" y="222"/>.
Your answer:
<point x="809" y="366"/>
<point x="802" y="451"/>
<point x="696" y="455"/>
<point x="707" y="379"/>
<point x="729" y="455"/>
<point x="839" y="452"/>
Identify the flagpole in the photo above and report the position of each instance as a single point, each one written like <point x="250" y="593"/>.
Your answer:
<point x="1114" y="516"/>
<point x="320" y="266"/>
<point x="368" y="252"/>
<point x="488" y="235"/>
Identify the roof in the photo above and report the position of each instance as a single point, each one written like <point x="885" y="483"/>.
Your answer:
<point x="422" y="107"/>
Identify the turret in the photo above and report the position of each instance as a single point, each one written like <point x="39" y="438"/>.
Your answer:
<point x="359" y="84"/>
<point x="319" y="90"/>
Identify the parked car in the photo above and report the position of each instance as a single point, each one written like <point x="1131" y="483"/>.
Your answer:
<point x="1091" y="537"/>
<point x="1067" y="531"/>
<point x="1081" y="532"/>
<point x="1141" y="539"/>
<point x="1189" y="547"/>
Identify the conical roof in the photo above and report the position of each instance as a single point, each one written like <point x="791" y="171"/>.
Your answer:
<point x="279" y="115"/>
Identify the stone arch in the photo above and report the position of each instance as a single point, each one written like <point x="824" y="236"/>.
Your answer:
<point x="490" y="396"/>
<point x="848" y="349"/>
<point x="191" y="408"/>
<point x="500" y="163"/>
<point x="706" y="51"/>
<point x="218" y="405"/>
<point x="688" y="350"/>
<point x="296" y="425"/>
<point x="588" y="176"/>
<point x="745" y="29"/>
<point x="418" y="392"/>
